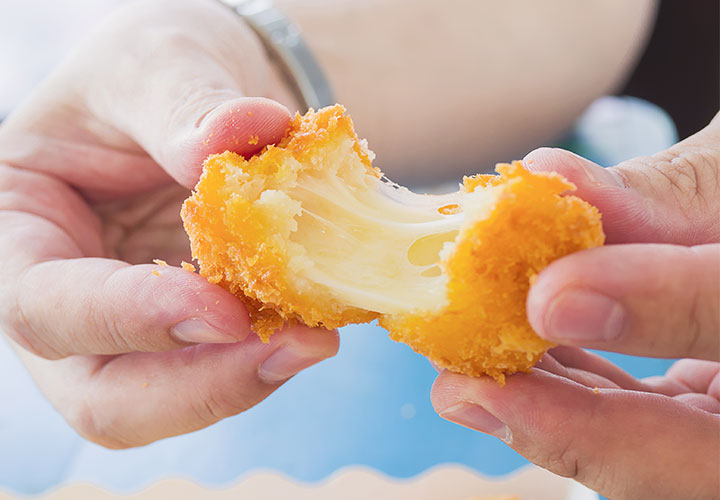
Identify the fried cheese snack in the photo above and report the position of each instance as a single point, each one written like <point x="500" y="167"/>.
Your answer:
<point x="310" y="232"/>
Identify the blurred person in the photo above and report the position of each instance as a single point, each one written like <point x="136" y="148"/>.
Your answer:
<point x="95" y="164"/>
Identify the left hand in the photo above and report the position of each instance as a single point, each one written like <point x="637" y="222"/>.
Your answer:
<point x="93" y="170"/>
<point x="579" y="415"/>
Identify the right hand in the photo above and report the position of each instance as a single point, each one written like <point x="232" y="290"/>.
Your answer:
<point x="653" y="291"/>
<point x="93" y="169"/>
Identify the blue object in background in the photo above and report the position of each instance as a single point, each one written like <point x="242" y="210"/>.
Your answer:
<point x="615" y="129"/>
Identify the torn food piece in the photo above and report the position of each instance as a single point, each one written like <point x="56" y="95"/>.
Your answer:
<point x="310" y="232"/>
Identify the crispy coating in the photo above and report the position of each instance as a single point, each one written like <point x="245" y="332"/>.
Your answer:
<point x="484" y="329"/>
<point x="242" y="219"/>
<point x="240" y="242"/>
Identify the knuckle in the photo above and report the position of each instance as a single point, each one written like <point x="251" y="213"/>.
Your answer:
<point x="93" y="426"/>
<point x="214" y="407"/>
<point x="15" y="324"/>
<point x="34" y="345"/>
<point x="109" y="331"/>
<point x="105" y="324"/>
<point x="680" y="367"/>
<point x="566" y="461"/>
<point x="562" y="460"/>
<point x="568" y="457"/>
<point x="214" y="403"/>
<point x="209" y="409"/>
<point x="702" y="318"/>
<point x="693" y="326"/>
<point x="689" y="175"/>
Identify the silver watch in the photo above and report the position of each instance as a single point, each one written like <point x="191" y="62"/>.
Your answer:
<point x="285" y="46"/>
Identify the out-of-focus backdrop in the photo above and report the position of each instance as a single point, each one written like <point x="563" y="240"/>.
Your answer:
<point x="370" y="404"/>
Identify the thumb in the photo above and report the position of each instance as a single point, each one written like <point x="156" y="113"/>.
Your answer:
<point x="647" y="300"/>
<point x="670" y="197"/>
<point x="137" y="398"/>
<point x="623" y="444"/>
<point x="183" y="86"/>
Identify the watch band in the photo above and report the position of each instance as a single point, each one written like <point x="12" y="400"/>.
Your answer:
<point x="284" y="43"/>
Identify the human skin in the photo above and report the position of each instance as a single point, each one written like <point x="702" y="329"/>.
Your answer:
<point x="93" y="169"/>
<point x="653" y="291"/>
<point x="92" y="172"/>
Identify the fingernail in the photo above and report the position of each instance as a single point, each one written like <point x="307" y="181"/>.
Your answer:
<point x="583" y="315"/>
<point x="198" y="331"/>
<point x="478" y="418"/>
<point x="285" y="362"/>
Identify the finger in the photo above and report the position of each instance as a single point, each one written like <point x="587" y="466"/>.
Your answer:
<point x="664" y="385"/>
<point x="658" y="300"/>
<point x="688" y="376"/>
<point x="670" y="197"/>
<point x="701" y="401"/>
<point x="138" y="398"/>
<point x="110" y="307"/>
<point x="587" y="378"/>
<point x="243" y="125"/>
<point x="178" y="111"/>
<point x="587" y="369"/>
<point x="580" y="359"/>
<point x="187" y="73"/>
<point x="697" y="376"/>
<point x="33" y="204"/>
<point x="602" y="439"/>
<point x="107" y="306"/>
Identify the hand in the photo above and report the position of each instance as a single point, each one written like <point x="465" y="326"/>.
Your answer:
<point x="654" y="291"/>
<point x="93" y="169"/>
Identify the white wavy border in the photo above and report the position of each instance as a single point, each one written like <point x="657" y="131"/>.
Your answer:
<point x="442" y="482"/>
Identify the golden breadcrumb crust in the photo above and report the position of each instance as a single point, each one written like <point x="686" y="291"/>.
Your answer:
<point x="236" y="243"/>
<point x="241" y="243"/>
<point x="484" y="329"/>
